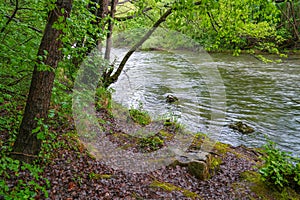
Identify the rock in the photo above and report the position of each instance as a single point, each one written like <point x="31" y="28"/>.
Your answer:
<point x="196" y="162"/>
<point x="241" y="127"/>
<point x="171" y="99"/>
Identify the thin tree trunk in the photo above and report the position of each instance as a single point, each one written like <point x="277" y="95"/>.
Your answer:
<point x="110" y="78"/>
<point x="103" y="12"/>
<point x="110" y="29"/>
<point x="27" y="145"/>
<point x="113" y="78"/>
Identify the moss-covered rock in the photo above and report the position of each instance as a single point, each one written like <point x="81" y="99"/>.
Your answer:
<point x="95" y="176"/>
<point x="171" y="99"/>
<point x="197" y="163"/>
<point x="241" y="127"/>
<point x="170" y="187"/>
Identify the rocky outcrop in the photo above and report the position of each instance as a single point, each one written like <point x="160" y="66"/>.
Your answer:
<point x="241" y="127"/>
<point x="198" y="163"/>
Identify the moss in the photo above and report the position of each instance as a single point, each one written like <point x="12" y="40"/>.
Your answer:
<point x="221" y="148"/>
<point x="168" y="123"/>
<point x="198" y="141"/>
<point x="199" y="169"/>
<point x="170" y="187"/>
<point x="150" y="143"/>
<point x="215" y="164"/>
<point x="165" y="135"/>
<point x="263" y="190"/>
<point x="140" y="117"/>
<point x="120" y="135"/>
<point x="95" y="176"/>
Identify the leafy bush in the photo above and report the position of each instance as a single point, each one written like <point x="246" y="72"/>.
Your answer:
<point x="280" y="168"/>
<point x="151" y="143"/>
<point x="139" y="116"/>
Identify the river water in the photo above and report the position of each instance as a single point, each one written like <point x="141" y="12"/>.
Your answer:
<point x="264" y="96"/>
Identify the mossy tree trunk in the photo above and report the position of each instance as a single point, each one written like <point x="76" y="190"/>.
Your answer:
<point x="27" y="145"/>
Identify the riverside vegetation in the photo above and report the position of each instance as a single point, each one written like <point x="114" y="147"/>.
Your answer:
<point x="43" y="44"/>
<point x="64" y="169"/>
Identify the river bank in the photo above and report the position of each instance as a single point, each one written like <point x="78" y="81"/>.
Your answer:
<point x="71" y="172"/>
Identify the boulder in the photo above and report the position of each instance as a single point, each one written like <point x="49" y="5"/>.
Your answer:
<point x="241" y="127"/>
<point x="171" y="99"/>
<point x="196" y="162"/>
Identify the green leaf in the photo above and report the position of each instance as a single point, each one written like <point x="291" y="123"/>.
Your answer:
<point x="37" y="129"/>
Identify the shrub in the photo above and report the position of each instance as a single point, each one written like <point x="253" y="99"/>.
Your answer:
<point x="140" y="117"/>
<point x="280" y="168"/>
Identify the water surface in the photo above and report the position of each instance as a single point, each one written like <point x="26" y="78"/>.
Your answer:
<point x="265" y="96"/>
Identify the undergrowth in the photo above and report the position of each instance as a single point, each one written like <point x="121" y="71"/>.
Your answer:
<point x="280" y="169"/>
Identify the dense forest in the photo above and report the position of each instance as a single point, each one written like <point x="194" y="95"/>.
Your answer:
<point x="43" y="45"/>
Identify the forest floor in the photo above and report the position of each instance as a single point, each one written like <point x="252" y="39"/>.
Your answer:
<point x="74" y="174"/>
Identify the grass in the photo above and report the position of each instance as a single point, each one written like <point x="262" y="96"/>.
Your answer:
<point x="139" y="116"/>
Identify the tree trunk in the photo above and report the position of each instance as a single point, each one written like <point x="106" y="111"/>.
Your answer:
<point x="110" y="29"/>
<point x="27" y="145"/>
<point x="108" y="77"/>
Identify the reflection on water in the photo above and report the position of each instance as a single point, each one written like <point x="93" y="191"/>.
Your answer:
<point x="265" y="96"/>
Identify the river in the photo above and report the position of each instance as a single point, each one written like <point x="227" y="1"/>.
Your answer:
<point x="264" y="96"/>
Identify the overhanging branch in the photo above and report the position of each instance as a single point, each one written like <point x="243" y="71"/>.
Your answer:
<point x="109" y="79"/>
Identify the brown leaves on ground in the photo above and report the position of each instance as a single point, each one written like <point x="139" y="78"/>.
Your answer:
<point x="77" y="176"/>
<point x="73" y="174"/>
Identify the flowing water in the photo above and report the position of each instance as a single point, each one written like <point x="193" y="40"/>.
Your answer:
<point x="264" y="96"/>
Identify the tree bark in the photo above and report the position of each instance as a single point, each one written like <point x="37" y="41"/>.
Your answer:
<point x="27" y="145"/>
<point x="110" y="29"/>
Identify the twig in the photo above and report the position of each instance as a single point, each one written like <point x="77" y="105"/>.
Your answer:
<point x="24" y="154"/>
<point x="12" y="16"/>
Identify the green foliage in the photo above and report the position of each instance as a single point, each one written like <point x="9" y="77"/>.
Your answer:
<point x="10" y="118"/>
<point x="151" y="143"/>
<point x="81" y="36"/>
<point x="24" y="188"/>
<point x="103" y="98"/>
<point x="280" y="169"/>
<point x="140" y="116"/>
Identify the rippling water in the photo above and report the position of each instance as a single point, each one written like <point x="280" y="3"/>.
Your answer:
<point x="265" y="96"/>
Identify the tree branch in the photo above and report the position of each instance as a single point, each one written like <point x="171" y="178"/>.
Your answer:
<point x="18" y="80"/>
<point x="31" y="27"/>
<point x="120" y="19"/>
<point x="12" y="16"/>
<point x="113" y="78"/>
<point x="213" y="22"/>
